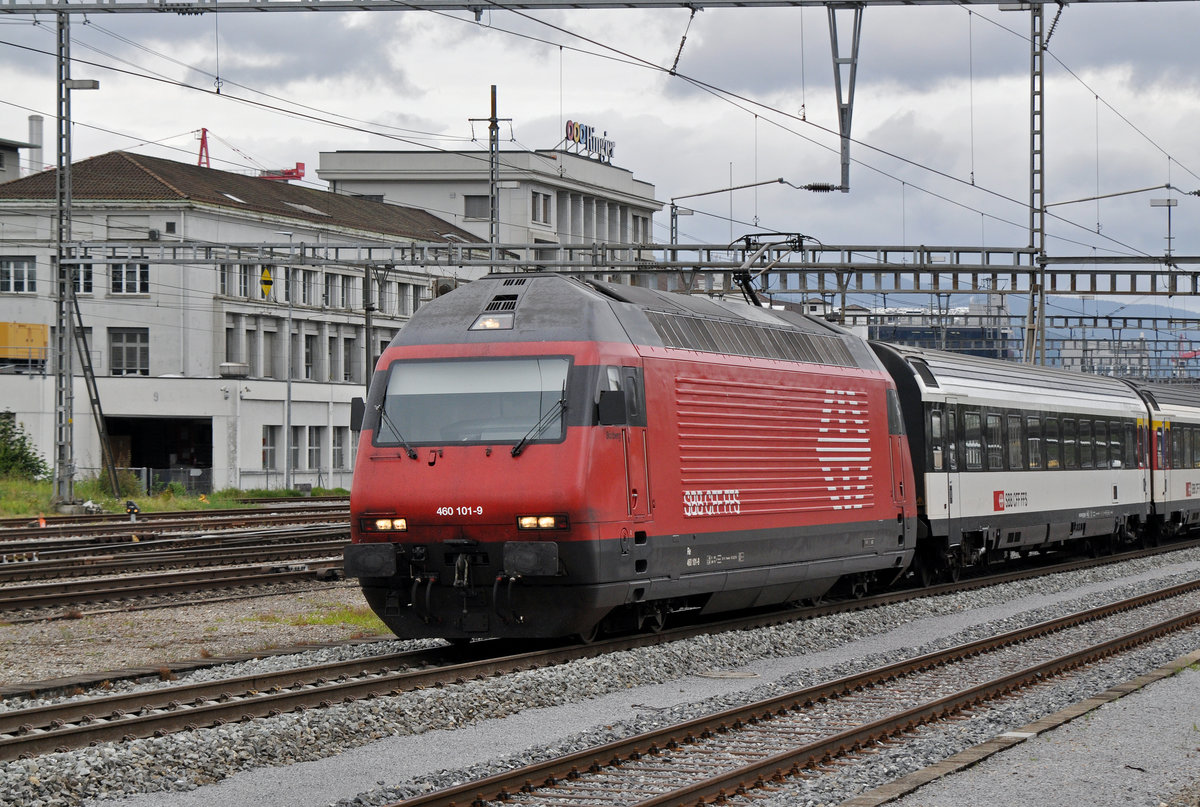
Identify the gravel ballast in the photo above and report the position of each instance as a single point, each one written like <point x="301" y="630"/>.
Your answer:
<point x="378" y="751"/>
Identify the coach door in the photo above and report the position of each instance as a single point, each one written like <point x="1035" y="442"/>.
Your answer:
<point x="953" y="465"/>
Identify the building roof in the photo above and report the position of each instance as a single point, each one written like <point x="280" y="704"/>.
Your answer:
<point x="123" y="177"/>
<point x="16" y="144"/>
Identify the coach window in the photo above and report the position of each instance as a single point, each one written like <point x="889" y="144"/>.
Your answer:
<point x="1160" y="446"/>
<point x="1187" y="448"/>
<point x="1033" y="439"/>
<point x="1176" y="458"/>
<point x="936" y="441"/>
<point x="1070" y="447"/>
<point x="1102" y="448"/>
<point x="1086" y="455"/>
<point x="1116" y="448"/>
<point x="995" y="443"/>
<point x="1015" y="460"/>
<point x="973" y="440"/>
<point x="1053" y="446"/>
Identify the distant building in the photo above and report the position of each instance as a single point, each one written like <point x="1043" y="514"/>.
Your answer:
<point x="979" y="329"/>
<point x="10" y="158"/>
<point x="188" y="336"/>
<point x="550" y="197"/>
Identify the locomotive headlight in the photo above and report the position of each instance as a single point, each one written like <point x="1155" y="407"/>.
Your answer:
<point x="492" y="322"/>
<point x="556" y="522"/>
<point x="384" y="524"/>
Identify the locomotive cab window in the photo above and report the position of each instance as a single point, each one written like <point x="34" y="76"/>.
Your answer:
<point x="475" y="401"/>
<point x="620" y="400"/>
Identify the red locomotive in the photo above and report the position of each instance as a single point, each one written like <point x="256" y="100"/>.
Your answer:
<point x="543" y="456"/>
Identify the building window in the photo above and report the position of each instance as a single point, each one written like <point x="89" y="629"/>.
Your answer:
<point x="310" y="355"/>
<point x="297" y="441"/>
<point x="269" y="346"/>
<point x="347" y="300"/>
<point x="541" y="208"/>
<point x="316" y="436"/>
<point x="270" y="447"/>
<point x="477" y="207"/>
<point x="340" y="438"/>
<point x="83" y="278"/>
<point x="305" y="278"/>
<point x="18" y="275"/>
<point x="129" y="351"/>
<point x="244" y="280"/>
<point x="331" y="287"/>
<point x="348" y="350"/>
<point x="131" y="278"/>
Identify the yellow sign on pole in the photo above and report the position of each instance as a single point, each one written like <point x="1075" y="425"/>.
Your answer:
<point x="265" y="280"/>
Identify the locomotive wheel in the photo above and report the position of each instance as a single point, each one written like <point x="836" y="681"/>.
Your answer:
<point x="654" y="620"/>
<point x="590" y="635"/>
<point x="925" y="571"/>
<point x="952" y="571"/>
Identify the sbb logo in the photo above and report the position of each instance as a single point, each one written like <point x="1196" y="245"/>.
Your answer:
<point x="998" y="500"/>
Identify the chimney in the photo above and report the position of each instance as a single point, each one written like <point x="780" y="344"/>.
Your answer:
<point x="35" y="137"/>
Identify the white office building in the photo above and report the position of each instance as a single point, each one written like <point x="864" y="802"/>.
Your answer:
<point x="545" y="197"/>
<point x="183" y="293"/>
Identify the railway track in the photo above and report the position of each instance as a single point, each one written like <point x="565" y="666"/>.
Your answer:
<point x="76" y="723"/>
<point x="77" y="572"/>
<point x="27" y="535"/>
<point x="759" y="746"/>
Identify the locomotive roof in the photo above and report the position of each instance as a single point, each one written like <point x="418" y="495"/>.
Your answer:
<point x="555" y="307"/>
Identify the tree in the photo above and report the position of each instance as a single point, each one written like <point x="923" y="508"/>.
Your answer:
<point x="17" y="454"/>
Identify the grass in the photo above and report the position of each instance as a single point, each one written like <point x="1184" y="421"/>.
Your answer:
<point x="23" y="497"/>
<point x="360" y="617"/>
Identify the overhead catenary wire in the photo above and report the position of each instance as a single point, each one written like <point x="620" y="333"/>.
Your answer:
<point x="719" y="92"/>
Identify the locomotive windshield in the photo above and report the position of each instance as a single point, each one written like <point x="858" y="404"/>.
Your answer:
<point x="474" y="401"/>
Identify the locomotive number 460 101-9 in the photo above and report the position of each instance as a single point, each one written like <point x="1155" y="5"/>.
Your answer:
<point x="462" y="510"/>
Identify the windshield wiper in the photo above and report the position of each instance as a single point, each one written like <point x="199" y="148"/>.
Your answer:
<point x="412" y="452"/>
<point x="558" y="406"/>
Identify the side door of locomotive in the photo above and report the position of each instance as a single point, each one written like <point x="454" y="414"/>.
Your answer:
<point x="623" y="404"/>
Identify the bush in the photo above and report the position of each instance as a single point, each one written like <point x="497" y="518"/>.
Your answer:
<point x="17" y="455"/>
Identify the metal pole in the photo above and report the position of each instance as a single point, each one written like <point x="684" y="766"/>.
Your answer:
<point x="287" y="405"/>
<point x="368" y="307"/>
<point x="494" y="154"/>
<point x="64" y="335"/>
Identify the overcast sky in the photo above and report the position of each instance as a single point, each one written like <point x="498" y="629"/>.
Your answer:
<point x="942" y="98"/>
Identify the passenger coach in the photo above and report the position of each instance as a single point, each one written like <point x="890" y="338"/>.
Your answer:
<point x="1174" y="455"/>
<point x="1013" y="457"/>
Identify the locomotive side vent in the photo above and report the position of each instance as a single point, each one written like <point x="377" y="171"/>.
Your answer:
<point x="748" y="339"/>
<point x="514" y="281"/>
<point x="502" y="302"/>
